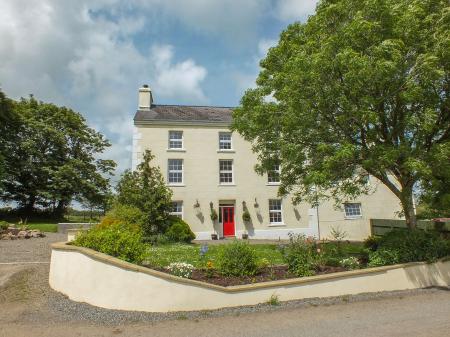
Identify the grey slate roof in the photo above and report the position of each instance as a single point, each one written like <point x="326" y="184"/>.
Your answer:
<point x="184" y="113"/>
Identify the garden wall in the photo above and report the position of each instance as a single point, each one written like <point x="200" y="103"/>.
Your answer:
<point x="101" y="280"/>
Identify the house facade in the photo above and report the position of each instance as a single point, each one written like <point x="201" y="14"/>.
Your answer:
<point x="211" y="170"/>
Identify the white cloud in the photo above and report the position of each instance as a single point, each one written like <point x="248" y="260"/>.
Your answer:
<point x="295" y="10"/>
<point x="81" y="54"/>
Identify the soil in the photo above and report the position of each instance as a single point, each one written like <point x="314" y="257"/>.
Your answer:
<point x="267" y="274"/>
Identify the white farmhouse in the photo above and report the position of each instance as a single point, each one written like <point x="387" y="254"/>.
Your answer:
<point x="209" y="167"/>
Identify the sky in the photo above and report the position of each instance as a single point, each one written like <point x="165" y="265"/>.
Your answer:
<point x="93" y="55"/>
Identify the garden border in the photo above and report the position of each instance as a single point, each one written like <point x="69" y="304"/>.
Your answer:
<point x="342" y="283"/>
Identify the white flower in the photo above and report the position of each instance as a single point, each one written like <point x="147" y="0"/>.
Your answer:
<point x="181" y="269"/>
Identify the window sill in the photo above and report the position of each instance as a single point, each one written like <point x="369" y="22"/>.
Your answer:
<point x="176" y="185"/>
<point x="273" y="184"/>
<point x="276" y="225"/>
<point x="226" y="151"/>
<point x="353" y="217"/>
<point x="176" y="150"/>
<point x="226" y="185"/>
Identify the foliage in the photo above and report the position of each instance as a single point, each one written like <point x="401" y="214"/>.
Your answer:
<point x="372" y="242"/>
<point x="237" y="259"/>
<point x="361" y="87"/>
<point x="300" y="255"/>
<point x="350" y="262"/>
<point x="125" y="214"/>
<point x="179" y="231"/>
<point x="4" y="225"/>
<point x="181" y="269"/>
<point x="416" y="245"/>
<point x="246" y="216"/>
<point x="213" y="215"/>
<point x="145" y="190"/>
<point x="263" y="263"/>
<point x="274" y="300"/>
<point x="51" y="157"/>
<point x="383" y="257"/>
<point x="116" y="240"/>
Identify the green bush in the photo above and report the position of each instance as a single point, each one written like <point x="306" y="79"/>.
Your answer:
<point x="179" y="231"/>
<point x="372" y="242"/>
<point x="300" y="255"/>
<point x="237" y="259"/>
<point x="127" y="215"/>
<point x="4" y="225"/>
<point x="382" y="257"/>
<point x="116" y="240"/>
<point x="415" y="245"/>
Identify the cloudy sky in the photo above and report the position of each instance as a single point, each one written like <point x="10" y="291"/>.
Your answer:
<point x="92" y="55"/>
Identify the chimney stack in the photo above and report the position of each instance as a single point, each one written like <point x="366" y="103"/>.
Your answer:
<point x="145" y="97"/>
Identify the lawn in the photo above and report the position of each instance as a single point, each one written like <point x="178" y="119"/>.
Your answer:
<point x="163" y="255"/>
<point x="43" y="227"/>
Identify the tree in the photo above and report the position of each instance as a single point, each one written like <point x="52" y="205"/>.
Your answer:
<point x="362" y="87"/>
<point x="53" y="158"/>
<point x="146" y="190"/>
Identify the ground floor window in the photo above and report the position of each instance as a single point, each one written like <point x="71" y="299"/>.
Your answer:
<point x="177" y="209"/>
<point x="352" y="210"/>
<point x="275" y="214"/>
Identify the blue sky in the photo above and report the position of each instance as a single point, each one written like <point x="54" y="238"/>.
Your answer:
<point x="92" y="56"/>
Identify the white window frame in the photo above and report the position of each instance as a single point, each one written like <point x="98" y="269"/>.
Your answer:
<point x="176" y="140"/>
<point x="273" y="211"/>
<point x="169" y="171"/>
<point x="221" y="142"/>
<point x="353" y="215"/>
<point x="226" y="171"/>
<point x="277" y="170"/>
<point x="178" y="213"/>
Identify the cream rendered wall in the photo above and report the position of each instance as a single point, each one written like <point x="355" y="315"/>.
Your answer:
<point x="201" y="182"/>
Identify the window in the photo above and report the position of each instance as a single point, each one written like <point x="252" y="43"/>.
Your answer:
<point x="226" y="171"/>
<point x="275" y="215"/>
<point x="224" y="140"/>
<point x="274" y="175"/>
<point x="352" y="210"/>
<point x="175" y="171"/>
<point x="175" y="139"/>
<point x="177" y="209"/>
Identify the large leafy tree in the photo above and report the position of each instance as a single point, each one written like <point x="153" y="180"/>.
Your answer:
<point x="362" y="87"/>
<point x="53" y="158"/>
<point x="145" y="190"/>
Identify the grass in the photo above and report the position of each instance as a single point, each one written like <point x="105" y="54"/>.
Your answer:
<point x="44" y="227"/>
<point x="163" y="255"/>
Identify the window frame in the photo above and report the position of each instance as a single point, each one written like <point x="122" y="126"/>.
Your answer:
<point x="277" y="211"/>
<point x="352" y="216"/>
<point x="174" y="140"/>
<point x="221" y="133"/>
<point x="226" y="171"/>
<point x="275" y="170"/>
<point x="175" y="171"/>
<point x="177" y="213"/>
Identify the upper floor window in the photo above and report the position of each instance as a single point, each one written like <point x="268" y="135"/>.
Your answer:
<point x="175" y="139"/>
<point x="177" y="209"/>
<point x="224" y="140"/>
<point x="226" y="171"/>
<point x="175" y="174"/>
<point x="273" y="176"/>
<point x="275" y="214"/>
<point x="352" y="210"/>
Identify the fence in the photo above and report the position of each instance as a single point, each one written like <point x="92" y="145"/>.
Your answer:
<point x="383" y="226"/>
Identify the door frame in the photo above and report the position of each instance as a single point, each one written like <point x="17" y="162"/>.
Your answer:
<point x="222" y="205"/>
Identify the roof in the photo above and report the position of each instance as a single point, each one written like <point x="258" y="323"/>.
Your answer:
<point x="184" y="113"/>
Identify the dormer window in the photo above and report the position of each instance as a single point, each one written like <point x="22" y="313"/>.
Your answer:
<point x="175" y="140"/>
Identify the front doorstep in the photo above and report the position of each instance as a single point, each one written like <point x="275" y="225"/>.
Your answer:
<point x="88" y="276"/>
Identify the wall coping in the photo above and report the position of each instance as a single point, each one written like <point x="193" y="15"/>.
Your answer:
<point x="64" y="246"/>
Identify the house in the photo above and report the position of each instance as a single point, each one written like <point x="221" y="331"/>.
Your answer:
<point x="210" y="168"/>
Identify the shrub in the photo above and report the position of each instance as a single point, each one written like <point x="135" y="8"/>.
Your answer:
<point x="4" y="225"/>
<point x="372" y="242"/>
<point x="382" y="257"/>
<point x="126" y="215"/>
<point x="415" y="245"/>
<point x="181" y="269"/>
<point x="179" y="231"/>
<point x="349" y="262"/>
<point x="300" y="255"/>
<point x="116" y="240"/>
<point x="237" y="259"/>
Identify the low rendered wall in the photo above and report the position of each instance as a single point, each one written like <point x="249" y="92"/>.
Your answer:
<point x="101" y="280"/>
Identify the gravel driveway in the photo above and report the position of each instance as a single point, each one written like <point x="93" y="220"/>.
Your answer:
<point x="33" y="309"/>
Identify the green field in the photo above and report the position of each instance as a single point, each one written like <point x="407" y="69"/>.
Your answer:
<point x="43" y="227"/>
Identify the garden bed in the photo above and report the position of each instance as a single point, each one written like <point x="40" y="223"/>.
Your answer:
<point x="274" y="273"/>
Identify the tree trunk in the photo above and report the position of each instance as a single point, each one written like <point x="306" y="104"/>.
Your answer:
<point x="60" y="209"/>
<point x="408" y="208"/>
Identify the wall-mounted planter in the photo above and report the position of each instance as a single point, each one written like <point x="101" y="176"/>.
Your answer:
<point x="101" y="280"/>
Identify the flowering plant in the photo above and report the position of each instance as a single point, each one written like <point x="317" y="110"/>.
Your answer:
<point x="181" y="269"/>
<point x="350" y="262"/>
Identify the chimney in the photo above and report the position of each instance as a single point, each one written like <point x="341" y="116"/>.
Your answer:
<point x="145" y="98"/>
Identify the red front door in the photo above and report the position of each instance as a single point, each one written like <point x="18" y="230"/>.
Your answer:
<point x="228" y="221"/>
